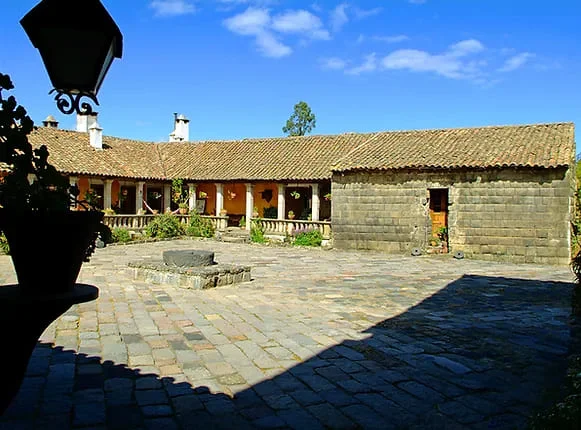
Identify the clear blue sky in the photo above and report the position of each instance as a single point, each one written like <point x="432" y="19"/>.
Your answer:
<point x="235" y="68"/>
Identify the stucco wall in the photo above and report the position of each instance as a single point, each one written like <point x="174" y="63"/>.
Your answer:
<point x="516" y="215"/>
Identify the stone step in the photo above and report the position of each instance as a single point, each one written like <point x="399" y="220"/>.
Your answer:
<point x="235" y="239"/>
<point x="236" y="232"/>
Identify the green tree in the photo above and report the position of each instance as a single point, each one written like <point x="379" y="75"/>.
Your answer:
<point x="301" y="122"/>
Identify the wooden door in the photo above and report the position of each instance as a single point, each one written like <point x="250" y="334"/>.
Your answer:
<point x="438" y="210"/>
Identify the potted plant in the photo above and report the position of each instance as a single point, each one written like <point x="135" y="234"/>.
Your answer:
<point x="92" y="198"/>
<point x="327" y="197"/>
<point x="291" y="215"/>
<point x="223" y="212"/>
<point x="202" y="195"/>
<point x="443" y="236"/>
<point x="434" y="241"/>
<point x="48" y="241"/>
<point x="183" y="207"/>
<point x="180" y="196"/>
<point x="255" y="212"/>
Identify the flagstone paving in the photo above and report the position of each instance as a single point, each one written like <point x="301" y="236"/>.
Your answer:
<point x="318" y="339"/>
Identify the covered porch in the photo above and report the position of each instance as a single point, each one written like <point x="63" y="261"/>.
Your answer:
<point x="262" y="200"/>
<point x="279" y="207"/>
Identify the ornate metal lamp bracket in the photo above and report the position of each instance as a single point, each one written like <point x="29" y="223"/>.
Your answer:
<point x="68" y="103"/>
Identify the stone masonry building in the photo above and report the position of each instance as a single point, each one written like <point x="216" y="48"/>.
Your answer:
<point x="502" y="193"/>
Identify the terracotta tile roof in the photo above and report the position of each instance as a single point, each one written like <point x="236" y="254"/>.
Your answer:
<point x="312" y="157"/>
<point x="70" y="152"/>
<point x="538" y="145"/>
<point x="284" y="158"/>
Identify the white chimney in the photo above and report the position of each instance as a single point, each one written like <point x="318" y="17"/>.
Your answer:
<point x="50" y="122"/>
<point x="96" y="136"/>
<point x="181" y="132"/>
<point x="85" y="122"/>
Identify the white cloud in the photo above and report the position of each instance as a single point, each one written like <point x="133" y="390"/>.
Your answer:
<point x="516" y="62"/>
<point x="268" y="30"/>
<point x="465" y="47"/>
<point x="250" y="22"/>
<point x="302" y="22"/>
<point x="392" y="39"/>
<point x="339" y="17"/>
<point x="256" y="22"/>
<point x="451" y="63"/>
<point x="270" y="46"/>
<point x="332" y="63"/>
<point x="369" y="65"/>
<point x="366" y="13"/>
<point x="172" y="7"/>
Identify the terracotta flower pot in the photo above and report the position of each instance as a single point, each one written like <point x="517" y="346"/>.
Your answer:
<point x="48" y="249"/>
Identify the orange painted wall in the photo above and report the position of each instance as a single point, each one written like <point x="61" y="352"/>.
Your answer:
<point x="236" y="205"/>
<point x="210" y="190"/>
<point x="83" y="184"/>
<point x="259" y="202"/>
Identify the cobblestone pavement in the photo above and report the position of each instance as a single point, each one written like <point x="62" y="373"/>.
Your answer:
<point x="318" y="339"/>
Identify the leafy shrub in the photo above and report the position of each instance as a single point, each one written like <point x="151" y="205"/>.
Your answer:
<point x="4" y="244"/>
<point x="200" y="227"/>
<point x="270" y="212"/>
<point x="307" y="237"/>
<point x="120" y="234"/>
<point x="164" y="226"/>
<point x="257" y="233"/>
<point x="242" y="222"/>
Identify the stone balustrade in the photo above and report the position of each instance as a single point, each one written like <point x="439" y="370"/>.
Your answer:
<point x="138" y="223"/>
<point x="283" y="227"/>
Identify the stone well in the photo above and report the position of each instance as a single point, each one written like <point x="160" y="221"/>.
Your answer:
<point x="190" y="269"/>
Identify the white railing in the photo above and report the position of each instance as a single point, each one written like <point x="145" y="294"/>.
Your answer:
<point x="283" y="227"/>
<point x="138" y="223"/>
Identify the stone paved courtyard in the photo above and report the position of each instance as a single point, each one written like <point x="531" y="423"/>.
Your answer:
<point x="318" y="339"/>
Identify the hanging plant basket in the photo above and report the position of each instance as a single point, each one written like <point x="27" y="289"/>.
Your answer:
<point x="48" y="249"/>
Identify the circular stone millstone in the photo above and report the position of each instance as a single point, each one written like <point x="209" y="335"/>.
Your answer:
<point x="188" y="258"/>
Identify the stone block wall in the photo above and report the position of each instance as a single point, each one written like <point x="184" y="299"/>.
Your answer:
<point x="514" y="215"/>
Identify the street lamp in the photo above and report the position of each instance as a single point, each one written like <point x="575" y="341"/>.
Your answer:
<point x="78" y="41"/>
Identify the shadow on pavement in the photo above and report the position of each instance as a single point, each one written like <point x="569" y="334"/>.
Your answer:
<point x="484" y="352"/>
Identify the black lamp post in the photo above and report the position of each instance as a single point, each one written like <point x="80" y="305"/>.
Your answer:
<point x="78" y="41"/>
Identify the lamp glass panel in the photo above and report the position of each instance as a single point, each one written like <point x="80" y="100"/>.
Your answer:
<point x="73" y="62"/>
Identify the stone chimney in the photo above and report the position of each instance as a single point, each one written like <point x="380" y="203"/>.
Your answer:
<point x="50" y="122"/>
<point x="181" y="132"/>
<point x="85" y="122"/>
<point x="96" y="136"/>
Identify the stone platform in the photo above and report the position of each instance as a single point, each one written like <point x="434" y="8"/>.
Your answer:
<point x="195" y="278"/>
